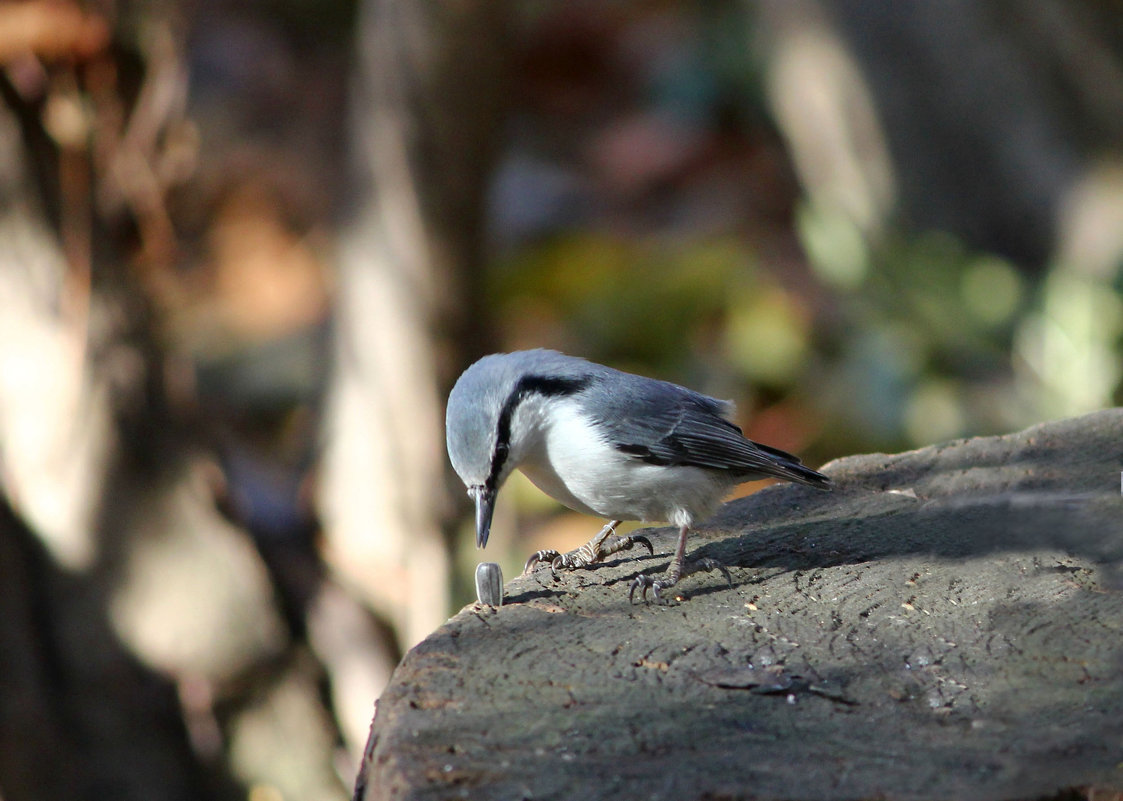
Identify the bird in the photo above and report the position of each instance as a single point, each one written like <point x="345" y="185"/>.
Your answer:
<point x="606" y="443"/>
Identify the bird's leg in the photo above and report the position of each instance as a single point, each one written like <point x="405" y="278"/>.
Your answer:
<point x="679" y="568"/>
<point x="590" y="553"/>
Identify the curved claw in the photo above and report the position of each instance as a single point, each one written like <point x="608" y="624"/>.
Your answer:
<point x="642" y="540"/>
<point x="540" y="556"/>
<point x="642" y="582"/>
<point x="714" y="564"/>
<point x="636" y="582"/>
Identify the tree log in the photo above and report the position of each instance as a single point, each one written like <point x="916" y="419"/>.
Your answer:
<point x="945" y="624"/>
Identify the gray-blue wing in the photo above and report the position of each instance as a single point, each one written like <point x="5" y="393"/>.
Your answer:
<point x="665" y="424"/>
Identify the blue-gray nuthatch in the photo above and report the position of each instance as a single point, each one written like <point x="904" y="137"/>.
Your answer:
<point x="606" y="443"/>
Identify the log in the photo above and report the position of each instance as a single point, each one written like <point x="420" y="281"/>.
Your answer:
<point x="948" y="623"/>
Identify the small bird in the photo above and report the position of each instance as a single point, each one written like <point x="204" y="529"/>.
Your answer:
<point x="606" y="443"/>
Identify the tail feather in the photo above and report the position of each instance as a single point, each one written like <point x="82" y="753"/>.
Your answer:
<point x="802" y="474"/>
<point x="789" y="467"/>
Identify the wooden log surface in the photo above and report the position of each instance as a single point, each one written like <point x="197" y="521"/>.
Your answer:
<point x="947" y="623"/>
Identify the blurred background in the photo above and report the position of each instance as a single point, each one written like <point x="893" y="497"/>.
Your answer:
<point x="246" y="248"/>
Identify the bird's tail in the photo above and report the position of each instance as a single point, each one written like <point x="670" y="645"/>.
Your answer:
<point x="787" y="466"/>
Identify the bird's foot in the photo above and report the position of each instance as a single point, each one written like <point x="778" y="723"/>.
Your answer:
<point x="643" y="581"/>
<point x="588" y="554"/>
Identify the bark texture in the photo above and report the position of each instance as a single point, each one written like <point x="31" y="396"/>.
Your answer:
<point x="945" y="624"/>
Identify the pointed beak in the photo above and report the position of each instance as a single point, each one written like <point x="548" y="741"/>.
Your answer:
<point x="485" y="507"/>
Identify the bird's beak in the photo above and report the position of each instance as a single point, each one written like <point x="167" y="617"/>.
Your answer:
<point x="485" y="507"/>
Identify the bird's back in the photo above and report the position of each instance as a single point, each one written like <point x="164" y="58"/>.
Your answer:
<point x="665" y="424"/>
<point x="624" y="446"/>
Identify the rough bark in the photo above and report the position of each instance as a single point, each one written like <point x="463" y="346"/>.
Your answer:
<point x="945" y="624"/>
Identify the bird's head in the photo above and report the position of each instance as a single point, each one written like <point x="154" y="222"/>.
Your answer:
<point x="478" y="433"/>
<point x="494" y="413"/>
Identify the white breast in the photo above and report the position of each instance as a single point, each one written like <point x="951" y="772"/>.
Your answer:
<point x="569" y="461"/>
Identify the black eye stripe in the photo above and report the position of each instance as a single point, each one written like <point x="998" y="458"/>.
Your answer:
<point x="525" y="387"/>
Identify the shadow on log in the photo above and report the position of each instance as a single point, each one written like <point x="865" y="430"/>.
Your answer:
<point x="948" y="623"/>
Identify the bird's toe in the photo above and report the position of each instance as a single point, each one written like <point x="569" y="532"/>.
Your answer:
<point x="639" y="539"/>
<point x="640" y="582"/>
<point x="643" y="583"/>
<point x="547" y="555"/>
<point x="711" y="564"/>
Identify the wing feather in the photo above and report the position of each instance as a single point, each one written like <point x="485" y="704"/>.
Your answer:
<point x="669" y="425"/>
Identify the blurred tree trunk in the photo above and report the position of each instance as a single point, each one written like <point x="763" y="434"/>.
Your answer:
<point x="973" y="118"/>
<point x="142" y="651"/>
<point x="426" y="113"/>
<point x="72" y="697"/>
